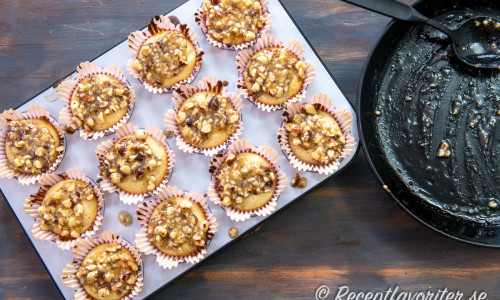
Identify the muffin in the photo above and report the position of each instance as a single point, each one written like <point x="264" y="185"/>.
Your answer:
<point x="205" y="118"/>
<point x="137" y="162"/>
<point x="312" y="136"/>
<point x="164" y="57"/>
<point x="32" y="144"/>
<point x="65" y="208"/>
<point x="247" y="180"/>
<point x="233" y="23"/>
<point x="176" y="227"/>
<point x="273" y="74"/>
<point x="98" y="102"/>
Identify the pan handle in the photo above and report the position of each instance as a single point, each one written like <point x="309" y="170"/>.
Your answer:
<point x="391" y="8"/>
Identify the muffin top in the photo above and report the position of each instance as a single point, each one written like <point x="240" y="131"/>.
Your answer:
<point x="165" y="59"/>
<point x="273" y="75"/>
<point x="245" y="181"/>
<point x="98" y="102"/>
<point x="233" y="22"/>
<point x="207" y="119"/>
<point x="32" y="146"/>
<point x="314" y="136"/>
<point x="109" y="271"/>
<point x="137" y="163"/>
<point x="178" y="226"/>
<point x="69" y="208"/>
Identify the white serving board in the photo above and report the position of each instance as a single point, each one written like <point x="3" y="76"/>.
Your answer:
<point x="191" y="170"/>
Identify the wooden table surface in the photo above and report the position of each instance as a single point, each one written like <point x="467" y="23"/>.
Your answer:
<point x="347" y="232"/>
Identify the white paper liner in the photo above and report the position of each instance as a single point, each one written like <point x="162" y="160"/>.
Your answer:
<point x="34" y="201"/>
<point x="344" y="120"/>
<point x="34" y="112"/>
<point x="83" y="247"/>
<point x="200" y="18"/>
<point x="66" y="88"/>
<point x="106" y="183"/>
<point x="271" y="155"/>
<point x="160" y="24"/>
<point x="270" y="41"/>
<point x="143" y="214"/>
<point x="209" y="83"/>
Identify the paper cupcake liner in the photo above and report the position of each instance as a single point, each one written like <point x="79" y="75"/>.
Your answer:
<point x="343" y="118"/>
<point x="66" y="88"/>
<point x="106" y="183"/>
<point x="34" y="112"/>
<point x="83" y="247"/>
<point x="143" y="214"/>
<point x="209" y="83"/>
<point x="200" y="17"/>
<point x="34" y="201"/>
<point x="269" y="41"/>
<point x="156" y="25"/>
<point x="271" y="155"/>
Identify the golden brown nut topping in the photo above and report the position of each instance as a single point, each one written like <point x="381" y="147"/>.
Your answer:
<point x="316" y="131"/>
<point x="272" y="70"/>
<point x="32" y="146"/>
<point x="63" y="209"/>
<point x="242" y="176"/>
<point x="109" y="273"/>
<point x="95" y="98"/>
<point x="207" y="115"/>
<point x="174" y="227"/>
<point x="233" y="22"/>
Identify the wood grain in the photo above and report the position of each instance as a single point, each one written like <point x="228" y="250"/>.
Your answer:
<point x="348" y="232"/>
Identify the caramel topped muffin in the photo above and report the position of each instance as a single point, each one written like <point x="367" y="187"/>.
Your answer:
<point x="233" y="22"/>
<point x="109" y="271"/>
<point x="98" y="102"/>
<point x="32" y="146"/>
<point x="69" y="208"/>
<point x="245" y="181"/>
<point x="178" y="226"/>
<point x="207" y="119"/>
<point x="165" y="58"/>
<point x="137" y="163"/>
<point x="314" y="136"/>
<point x="274" y="75"/>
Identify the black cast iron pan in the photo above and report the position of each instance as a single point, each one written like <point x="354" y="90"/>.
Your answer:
<point x="415" y="98"/>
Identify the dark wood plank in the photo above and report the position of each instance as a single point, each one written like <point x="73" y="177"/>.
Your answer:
<point x="346" y="232"/>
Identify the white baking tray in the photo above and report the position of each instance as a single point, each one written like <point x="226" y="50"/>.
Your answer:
<point x="191" y="170"/>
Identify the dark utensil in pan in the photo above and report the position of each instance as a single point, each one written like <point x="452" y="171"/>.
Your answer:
<point x="430" y="124"/>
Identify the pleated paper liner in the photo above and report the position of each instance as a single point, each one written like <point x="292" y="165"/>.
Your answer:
<point x="270" y="41"/>
<point x="143" y="214"/>
<point x="34" y="201"/>
<point x="344" y="120"/>
<point x="68" y="86"/>
<point x="83" y="247"/>
<point x="34" y="112"/>
<point x="200" y="17"/>
<point x="106" y="183"/>
<point x="211" y="84"/>
<point x="244" y="146"/>
<point x="157" y="25"/>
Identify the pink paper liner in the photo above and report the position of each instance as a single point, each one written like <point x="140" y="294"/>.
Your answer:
<point x="34" y="201"/>
<point x="65" y="90"/>
<point x="83" y="247"/>
<point x="106" y="183"/>
<point x="200" y="18"/>
<point x="143" y="214"/>
<point x="270" y="41"/>
<point x="209" y="83"/>
<point x="34" y="112"/>
<point x="241" y="146"/>
<point x="160" y="24"/>
<point x="343" y="118"/>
